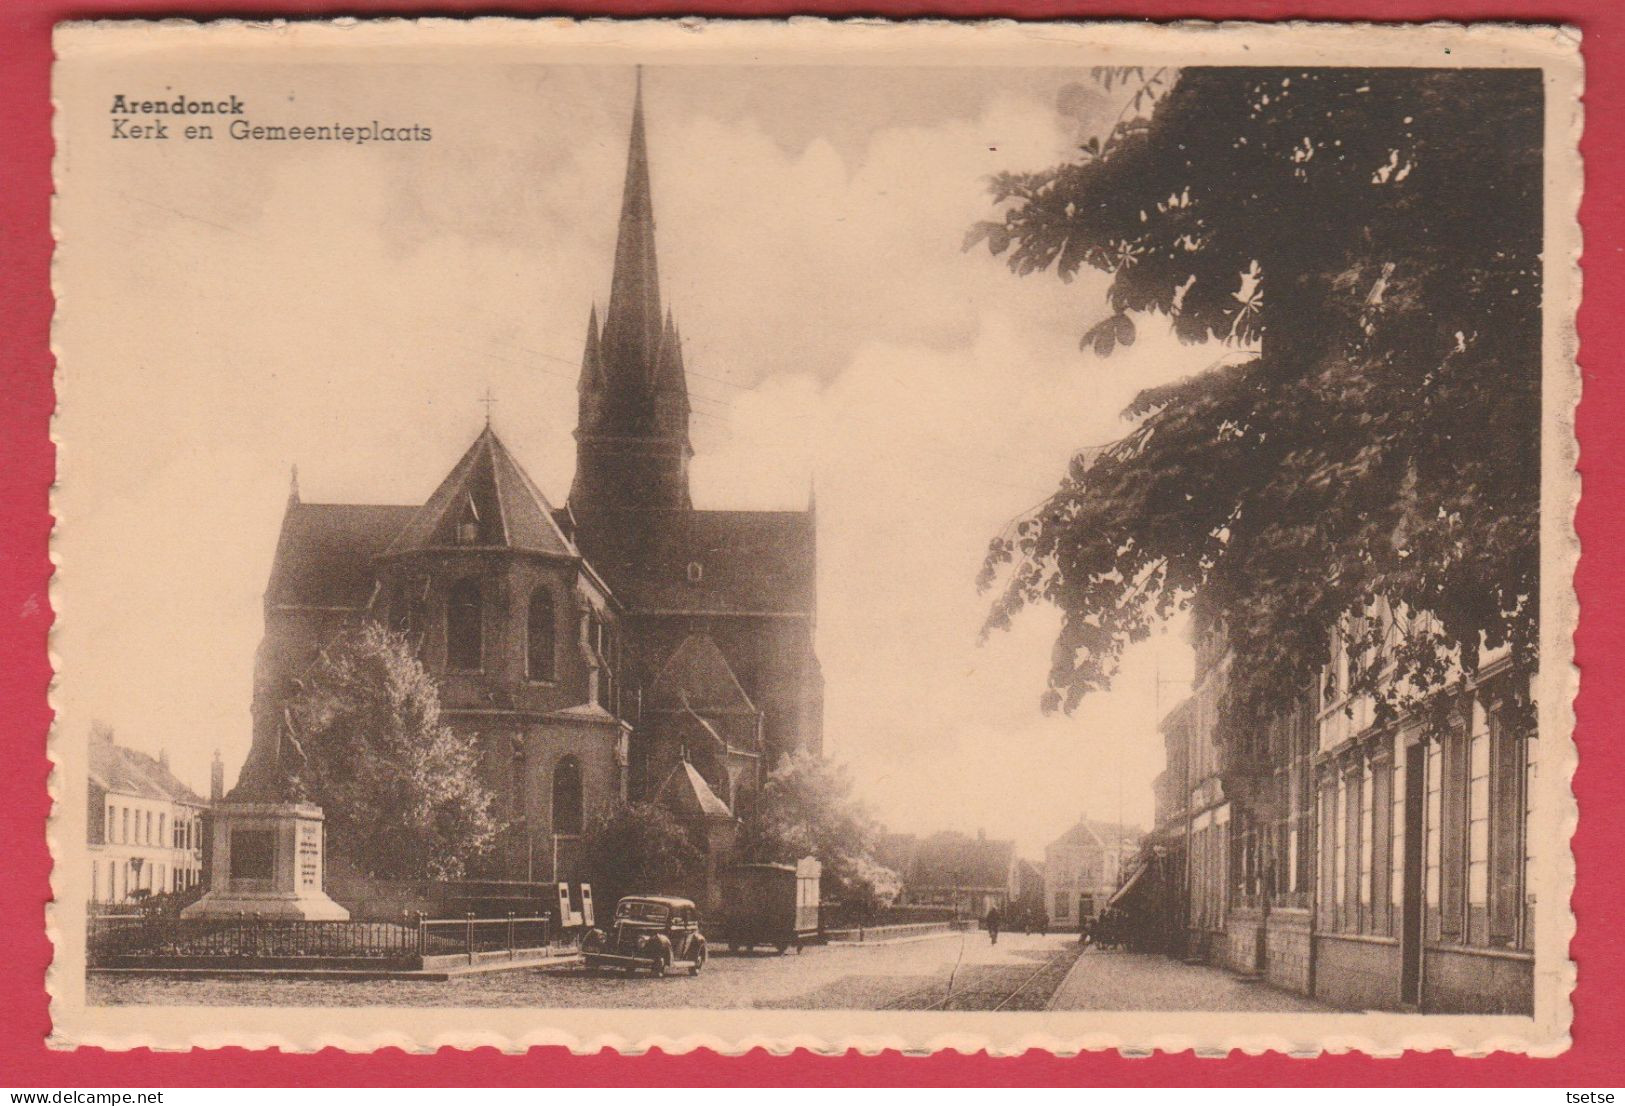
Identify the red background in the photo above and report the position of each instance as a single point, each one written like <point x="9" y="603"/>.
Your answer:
<point x="26" y="468"/>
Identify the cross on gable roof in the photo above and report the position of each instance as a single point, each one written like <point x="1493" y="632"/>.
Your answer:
<point x="491" y="492"/>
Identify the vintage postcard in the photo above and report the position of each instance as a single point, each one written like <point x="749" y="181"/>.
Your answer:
<point x="806" y="534"/>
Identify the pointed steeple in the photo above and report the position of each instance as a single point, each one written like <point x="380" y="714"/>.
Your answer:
<point x="592" y="385"/>
<point x="632" y="439"/>
<point x="632" y="324"/>
<point x="671" y="385"/>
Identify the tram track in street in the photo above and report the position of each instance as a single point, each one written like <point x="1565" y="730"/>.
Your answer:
<point x="987" y="987"/>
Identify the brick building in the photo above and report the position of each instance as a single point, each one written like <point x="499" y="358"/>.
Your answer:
<point x="1380" y="866"/>
<point x="624" y="645"/>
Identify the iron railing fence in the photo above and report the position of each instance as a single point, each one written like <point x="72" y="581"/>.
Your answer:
<point x="470" y="936"/>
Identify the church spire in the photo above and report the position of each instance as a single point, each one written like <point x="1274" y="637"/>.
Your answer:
<point x="633" y="447"/>
<point x="591" y="385"/>
<point x="632" y="323"/>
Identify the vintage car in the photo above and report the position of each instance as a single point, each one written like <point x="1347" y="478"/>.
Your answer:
<point x="657" y="932"/>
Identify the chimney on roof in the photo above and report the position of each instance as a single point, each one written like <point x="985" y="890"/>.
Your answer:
<point x="217" y="778"/>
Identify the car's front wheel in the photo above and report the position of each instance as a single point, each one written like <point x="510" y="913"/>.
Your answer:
<point x="699" y="961"/>
<point x="659" y="967"/>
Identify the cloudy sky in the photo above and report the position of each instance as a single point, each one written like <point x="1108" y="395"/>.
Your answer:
<point x="231" y="309"/>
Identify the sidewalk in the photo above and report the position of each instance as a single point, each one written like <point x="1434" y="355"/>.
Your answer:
<point x="1141" y="981"/>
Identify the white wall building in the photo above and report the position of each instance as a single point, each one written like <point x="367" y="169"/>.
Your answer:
<point x="1086" y="860"/>
<point x="145" y="829"/>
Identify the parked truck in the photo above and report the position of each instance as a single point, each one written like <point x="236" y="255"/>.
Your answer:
<point x="770" y="905"/>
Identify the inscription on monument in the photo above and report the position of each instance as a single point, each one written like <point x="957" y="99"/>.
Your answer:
<point x="310" y="855"/>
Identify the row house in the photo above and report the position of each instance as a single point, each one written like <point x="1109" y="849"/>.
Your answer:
<point x="1371" y="864"/>
<point x="1084" y="866"/>
<point x="145" y="830"/>
<point x="1424" y="898"/>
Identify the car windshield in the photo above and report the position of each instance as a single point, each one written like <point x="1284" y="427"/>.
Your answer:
<point x="643" y="911"/>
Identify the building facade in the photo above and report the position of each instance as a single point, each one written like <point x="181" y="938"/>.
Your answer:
<point x="1372" y="864"/>
<point x="145" y="830"/>
<point x="626" y="645"/>
<point x="1084" y="866"/>
<point x="1424" y="893"/>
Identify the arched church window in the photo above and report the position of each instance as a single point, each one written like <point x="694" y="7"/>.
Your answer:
<point x="464" y="629"/>
<point x="539" y="637"/>
<point x="567" y="803"/>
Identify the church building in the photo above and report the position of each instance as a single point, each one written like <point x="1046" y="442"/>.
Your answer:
<point x="625" y="645"/>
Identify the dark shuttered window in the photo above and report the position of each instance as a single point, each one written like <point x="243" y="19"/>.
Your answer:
<point x="539" y="638"/>
<point x="464" y="632"/>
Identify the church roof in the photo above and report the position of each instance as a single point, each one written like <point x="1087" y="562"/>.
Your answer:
<point x="705" y="562"/>
<point x="686" y="792"/>
<point x="698" y="677"/>
<point x="123" y="771"/>
<point x="325" y="551"/>
<point x="489" y="489"/>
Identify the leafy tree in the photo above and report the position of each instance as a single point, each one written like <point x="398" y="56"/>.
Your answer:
<point x="400" y="789"/>
<point x="1364" y="245"/>
<point x="640" y="848"/>
<point x="806" y="808"/>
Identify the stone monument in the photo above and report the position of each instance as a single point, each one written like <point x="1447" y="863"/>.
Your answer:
<point x="266" y="859"/>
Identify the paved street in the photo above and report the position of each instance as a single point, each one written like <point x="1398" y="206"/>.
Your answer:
<point x="946" y="972"/>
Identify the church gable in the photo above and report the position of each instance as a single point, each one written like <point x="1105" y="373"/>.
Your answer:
<point x="697" y="677"/>
<point x="487" y="500"/>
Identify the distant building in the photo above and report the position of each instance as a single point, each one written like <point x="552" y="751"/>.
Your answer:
<point x="970" y="874"/>
<point x="144" y="830"/>
<point x="1030" y="897"/>
<point x="1083" y="866"/>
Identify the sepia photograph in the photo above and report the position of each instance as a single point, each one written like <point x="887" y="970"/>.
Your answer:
<point x="814" y="534"/>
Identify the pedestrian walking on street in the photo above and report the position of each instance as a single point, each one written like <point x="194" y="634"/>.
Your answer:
<point x="993" y="920"/>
